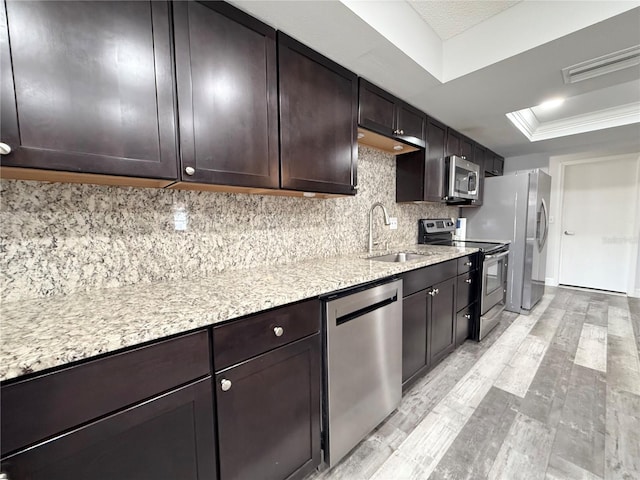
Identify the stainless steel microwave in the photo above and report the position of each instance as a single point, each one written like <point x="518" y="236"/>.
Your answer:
<point x="461" y="179"/>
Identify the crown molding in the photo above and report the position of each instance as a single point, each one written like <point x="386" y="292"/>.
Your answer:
<point x="526" y="121"/>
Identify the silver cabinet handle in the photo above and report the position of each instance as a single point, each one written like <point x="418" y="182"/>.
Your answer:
<point x="467" y="316"/>
<point x="278" y="331"/>
<point x="468" y="264"/>
<point x="189" y="170"/>
<point x="568" y="232"/>
<point x="468" y="280"/>
<point x="225" y="385"/>
<point x="4" y="150"/>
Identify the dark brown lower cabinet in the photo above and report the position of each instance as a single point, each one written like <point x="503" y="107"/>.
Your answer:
<point x="168" y="437"/>
<point x="414" y="335"/>
<point x="269" y="414"/>
<point x="464" y="322"/>
<point x="428" y="319"/>
<point x="441" y="320"/>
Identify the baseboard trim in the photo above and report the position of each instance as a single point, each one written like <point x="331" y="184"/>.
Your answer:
<point x="552" y="282"/>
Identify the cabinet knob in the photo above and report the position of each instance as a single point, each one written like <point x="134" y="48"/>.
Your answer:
<point x="4" y="150"/>
<point x="432" y="293"/>
<point x="468" y="264"/>
<point x="356" y="187"/>
<point x="4" y="476"/>
<point x="225" y="385"/>
<point x="189" y="170"/>
<point x="468" y="280"/>
<point x="279" y="331"/>
<point x="401" y="132"/>
<point x="467" y="316"/>
<point x="396" y="132"/>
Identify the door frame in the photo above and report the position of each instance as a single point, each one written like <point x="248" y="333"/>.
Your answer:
<point x="557" y="167"/>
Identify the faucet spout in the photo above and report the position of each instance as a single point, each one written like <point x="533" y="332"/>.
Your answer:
<point x="386" y="222"/>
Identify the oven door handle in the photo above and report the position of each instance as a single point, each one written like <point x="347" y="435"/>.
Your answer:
<point x="496" y="257"/>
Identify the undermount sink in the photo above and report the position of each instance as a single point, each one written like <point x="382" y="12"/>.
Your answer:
<point x="399" y="257"/>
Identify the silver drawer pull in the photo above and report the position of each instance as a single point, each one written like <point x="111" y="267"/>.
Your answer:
<point x="278" y="331"/>
<point x="467" y="316"/>
<point x="225" y="385"/>
<point x="468" y="264"/>
<point x="468" y="280"/>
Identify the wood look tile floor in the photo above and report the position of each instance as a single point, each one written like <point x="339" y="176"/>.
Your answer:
<point x="552" y="395"/>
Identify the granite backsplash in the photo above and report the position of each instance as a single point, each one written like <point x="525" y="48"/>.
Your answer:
<point x="62" y="238"/>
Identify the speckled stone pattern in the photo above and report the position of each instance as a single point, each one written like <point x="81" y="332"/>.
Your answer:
<point x="63" y="238"/>
<point x="48" y="332"/>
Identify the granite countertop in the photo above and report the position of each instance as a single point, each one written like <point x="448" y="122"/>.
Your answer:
<point x="52" y="331"/>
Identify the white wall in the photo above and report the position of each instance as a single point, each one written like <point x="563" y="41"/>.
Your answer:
<point x="556" y="165"/>
<point x="526" y="162"/>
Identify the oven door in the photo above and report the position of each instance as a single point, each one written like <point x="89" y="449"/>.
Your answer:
<point x="494" y="279"/>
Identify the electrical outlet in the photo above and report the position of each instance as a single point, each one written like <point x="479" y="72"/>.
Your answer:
<point x="393" y="223"/>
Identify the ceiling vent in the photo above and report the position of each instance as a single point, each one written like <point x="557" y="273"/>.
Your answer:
<point x="612" y="62"/>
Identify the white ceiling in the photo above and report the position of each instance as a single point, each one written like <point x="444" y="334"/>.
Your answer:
<point x="449" y="18"/>
<point x="510" y="61"/>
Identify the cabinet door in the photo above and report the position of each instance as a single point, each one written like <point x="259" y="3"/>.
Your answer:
<point x="376" y="109"/>
<point x="411" y="124"/>
<point x="414" y="334"/>
<point x="269" y="414"/>
<point x="442" y="320"/>
<point x="453" y="143"/>
<point x="318" y="121"/>
<point x="435" y="153"/>
<point x="88" y="87"/>
<point x="169" y="437"/>
<point x="227" y="96"/>
<point x="467" y="148"/>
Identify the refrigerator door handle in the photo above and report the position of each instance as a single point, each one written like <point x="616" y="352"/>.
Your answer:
<point x="543" y="241"/>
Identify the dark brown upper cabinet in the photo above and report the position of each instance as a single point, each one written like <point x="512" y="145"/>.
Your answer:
<point x="318" y="121"/>
<point x="493" y="164"/>
<point x="88" y="87"/>
<point x="467" y="147"/>
<point x="420" y="174"/>
<point x="381" y="112"/>
<point x="453" y="143"/>
<point x="226" y="74"/>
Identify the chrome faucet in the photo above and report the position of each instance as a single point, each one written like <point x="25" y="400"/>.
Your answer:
<point x="386" y="222"/>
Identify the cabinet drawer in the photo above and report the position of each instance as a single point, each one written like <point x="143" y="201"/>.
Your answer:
<point x="467" y="289"/>
<point x="35" y="409"/>
<point x="240" y="340"/>
<point x="470" y="262"/>
<point x="417" y="280"/>
<point x="464" y="323"/>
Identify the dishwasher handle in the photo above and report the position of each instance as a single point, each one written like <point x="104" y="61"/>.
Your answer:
<point x="368" y="309"/>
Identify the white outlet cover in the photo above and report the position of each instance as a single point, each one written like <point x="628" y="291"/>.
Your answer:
<point x="393" y="223"/>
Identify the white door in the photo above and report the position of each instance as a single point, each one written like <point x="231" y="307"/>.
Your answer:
<point x="598" y="210"/>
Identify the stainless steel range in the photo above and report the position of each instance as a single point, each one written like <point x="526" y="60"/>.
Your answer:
<point x="493" y="269"/>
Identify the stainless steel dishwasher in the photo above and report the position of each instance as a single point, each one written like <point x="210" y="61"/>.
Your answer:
<point x="363" y="364"/>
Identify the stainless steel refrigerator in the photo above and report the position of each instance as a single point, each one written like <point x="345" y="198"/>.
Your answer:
<point x="516" y="208"/>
